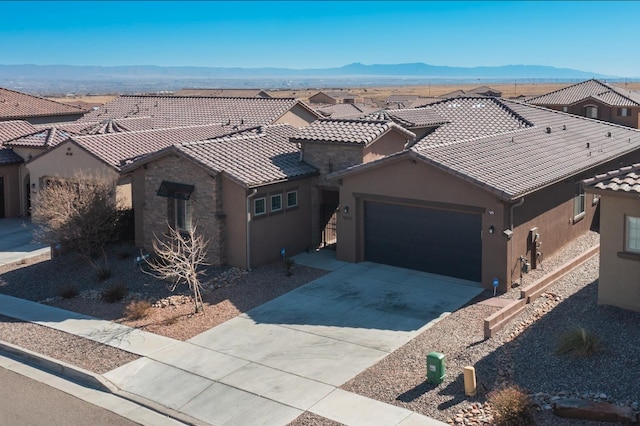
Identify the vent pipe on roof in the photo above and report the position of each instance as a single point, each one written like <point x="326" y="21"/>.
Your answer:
<point x="564" y="127"/>
<point x="548" y="130"/>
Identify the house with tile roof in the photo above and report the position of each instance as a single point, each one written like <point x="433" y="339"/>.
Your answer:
<point x="595" y="99"/>
<point x="224" y="93"/>
<point x="248" y="194"/>
<point x="104" y="155"/>
<point x="488" y="194"/>
<point x="168" y="111"/>
<point x="332" y="97"/>
<point x="34" y="109"/>
<point x="484" y="91"/>
<point x="618" y="195"/>
<point x="330" y="145"/>
<point x="345" y="111"/>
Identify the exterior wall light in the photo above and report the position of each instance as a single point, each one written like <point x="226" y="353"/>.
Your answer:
<point x="346" y="209"/>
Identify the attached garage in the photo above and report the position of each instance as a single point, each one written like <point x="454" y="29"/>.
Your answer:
<point x="439" y="241"/>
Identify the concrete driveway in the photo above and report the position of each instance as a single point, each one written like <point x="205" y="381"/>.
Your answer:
<point x="16" y="241"/>
<point x="291" y="354"/>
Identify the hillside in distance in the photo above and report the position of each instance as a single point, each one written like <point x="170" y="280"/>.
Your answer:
<point x="44" y="79"/>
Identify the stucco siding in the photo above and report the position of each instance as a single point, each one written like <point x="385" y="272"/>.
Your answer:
<point x="297" y="117"/>
<point x="234" y="202"/>
<point x="413" y="183"/>
<point x="619" y="283"/>
<point x="388" y="144"/>
<point x="11" y="194"/>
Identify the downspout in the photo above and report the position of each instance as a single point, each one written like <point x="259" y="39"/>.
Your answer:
<point x="253" y="193"/>
<point x="511" y="208"/>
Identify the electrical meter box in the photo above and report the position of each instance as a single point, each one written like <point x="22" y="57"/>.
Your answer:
<point x="435" y="367"/>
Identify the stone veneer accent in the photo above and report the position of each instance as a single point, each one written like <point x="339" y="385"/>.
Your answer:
<point x="206" y="203"/>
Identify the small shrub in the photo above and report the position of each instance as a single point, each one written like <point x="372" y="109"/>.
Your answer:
<point x="103" y="273"/>
<point x="579" y="342"/>
<point x="114" y="293"/>
<point x="511" y="407"/>
<point x="170" y="320"/>
<point x="137" y="310"/>
<point x="68" y="291"/>
<point x="288" y="265"/>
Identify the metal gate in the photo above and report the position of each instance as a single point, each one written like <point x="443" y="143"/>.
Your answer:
<point x="329" y="224"/>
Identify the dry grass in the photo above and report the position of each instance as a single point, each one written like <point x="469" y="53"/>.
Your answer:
<point x="511" y="407"/>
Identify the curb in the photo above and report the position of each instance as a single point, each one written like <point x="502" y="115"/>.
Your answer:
<point x="90" y="380"/>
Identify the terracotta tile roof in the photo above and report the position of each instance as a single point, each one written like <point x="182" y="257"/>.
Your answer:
<point x="15" y="105"/>
<point x="7" y="156"/>
<point x="116" y="149"/>
<point x="252" y="158"/>
<point x="14" y="129"/>
<point x="228" y="93"/>
<point x="361" y="132"/>
<point x="345" y="110"/>
<point x="45" y="138"/>
<point x="423" y="101"/>
<point x="517" y="162"/>
<point x="468" y="118"/>
<point x="606" y="93"/>
<point x="401" y="98"/>
<point x="624" y="179"/>
<point x="410" y="117"/>
<point x="111" y="125"/>
<point x="190" y="110"/>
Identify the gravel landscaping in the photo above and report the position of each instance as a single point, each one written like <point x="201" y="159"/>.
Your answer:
<point x="523" y="353"/>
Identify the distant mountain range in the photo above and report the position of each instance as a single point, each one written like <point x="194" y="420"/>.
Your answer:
<point x="61" y="79"/>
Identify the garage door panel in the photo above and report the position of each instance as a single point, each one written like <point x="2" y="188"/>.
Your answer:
<point x="437" y="241"/>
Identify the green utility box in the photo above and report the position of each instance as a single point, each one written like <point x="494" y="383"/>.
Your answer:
<point x="435" y="368"/>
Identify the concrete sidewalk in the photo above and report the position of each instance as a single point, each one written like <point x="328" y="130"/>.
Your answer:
<point x="280" y="359"/>
<point x="16" y="241"/>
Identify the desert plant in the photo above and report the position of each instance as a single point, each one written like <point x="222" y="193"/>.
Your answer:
<point x="179" y="258"/>
<point x="103" y="273"/>
<point x="137" y="309"/>
<point x="114" y="293"/>
<point x="579" y="342"/>
<point x="171" y="320"/>
<point x="68" y="291"/>
<point x="79" y="213"/>
<point x="288" y="265"/>
<point x="511" y="407"/>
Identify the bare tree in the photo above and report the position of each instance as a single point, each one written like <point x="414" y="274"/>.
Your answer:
<point x="80" y="213"/>
<point x="178" y="259"/>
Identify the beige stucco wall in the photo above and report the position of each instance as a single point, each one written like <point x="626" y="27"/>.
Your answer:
<point x="289" y="228"/>
<point x="619" y="283"/>
<point x="297" y="117"/>
<point x="65" y="161"/>
<point x="413" y="182"/>
<point x="389" y="143"/>
<point x="605" y="112"/>
<point x="11" y="179"/>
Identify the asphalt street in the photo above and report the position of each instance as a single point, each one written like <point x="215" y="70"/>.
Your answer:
<point x="26" y="402"/>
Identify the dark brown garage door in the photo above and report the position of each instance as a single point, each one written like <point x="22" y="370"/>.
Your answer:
<point x="442" y="242"/>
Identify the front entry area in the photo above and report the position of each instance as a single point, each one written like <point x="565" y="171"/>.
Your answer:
<point x="442" y="242"/>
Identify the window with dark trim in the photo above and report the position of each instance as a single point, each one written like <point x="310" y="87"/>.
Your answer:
<point x="591" y="111"/>
<point x="292" y="199"/>
<point x="182" y="214"/>
<point x="259" y="206"/>
<point x="624" y="112"/>
<point x="632" y="234"/>
<point x="578" y="202"/>
<point x="276" y="202"/>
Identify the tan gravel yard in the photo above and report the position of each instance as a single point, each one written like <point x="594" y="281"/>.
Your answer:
<point x="522" y="353"/>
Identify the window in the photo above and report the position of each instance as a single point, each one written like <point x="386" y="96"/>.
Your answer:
<point x="292" y="199"/>
<point x="565" y="109"/>
<point x="183" y="214"/>
<point x="259" y="206"/>
<point x="591" y="111"/>
<point x="624" y="112"/>
<point x="276" y="202"/>
<point x="578" y="203"/>
<point x="632" y="243"/>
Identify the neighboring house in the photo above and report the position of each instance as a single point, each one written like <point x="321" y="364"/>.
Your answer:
<point x="595" y="99"/>
<point x="331" y="145"/>
<point x="618" y="193"/>
<point x="420" y="121"/>
<point x="478" y="91"/>
<point x="34" y="109"/>
<point x="104" y="155"/>
<point x="333" y="97"/>
<point x="224" y="93"/>
<point x="168" y="111"/>
<point x="345" y="111"/>
<point x="493" y="190"/>
<point x="248" y="194"/>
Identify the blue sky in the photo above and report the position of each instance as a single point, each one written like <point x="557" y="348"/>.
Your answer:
<point x="599" y="37"/>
